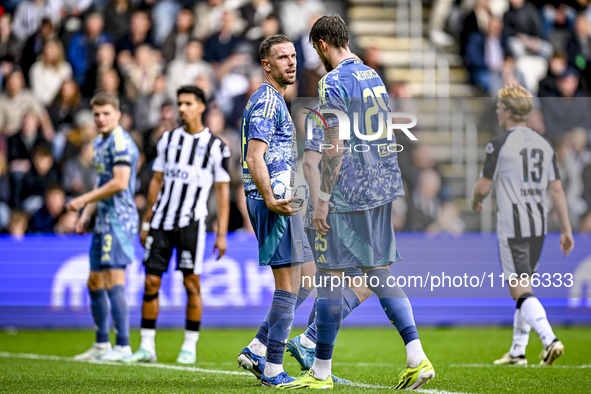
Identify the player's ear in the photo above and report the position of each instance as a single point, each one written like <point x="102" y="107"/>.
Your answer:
<point x="265" y="63"/>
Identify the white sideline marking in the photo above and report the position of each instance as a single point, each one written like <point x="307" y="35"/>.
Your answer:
<point x="584" y="366"/>
<point x="188" y="369"/>
<point x="119" y="364"/>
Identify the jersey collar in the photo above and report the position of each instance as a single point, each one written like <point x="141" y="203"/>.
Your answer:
<point x="271" y="86"/>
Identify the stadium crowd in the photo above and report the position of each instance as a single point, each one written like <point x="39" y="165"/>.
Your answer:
<point x="56" y="54"/>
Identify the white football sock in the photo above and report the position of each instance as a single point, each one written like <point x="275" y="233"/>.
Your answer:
<point x="414" y="353"/>
<point x="322" y="368"/>
<point x="521" y="330"/>
<point x="307" y="342"/>
<point x="148" y="339"/>
<point x="257" y="348"/>
<point x="534" y="313"/>
<point x="272" y="370"/>
<point x="190" y="343"/>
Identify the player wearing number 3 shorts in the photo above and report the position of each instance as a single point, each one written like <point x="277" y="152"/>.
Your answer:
<point x="523" y="166"/>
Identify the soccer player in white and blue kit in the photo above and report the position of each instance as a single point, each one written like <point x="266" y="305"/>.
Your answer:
<point x="352" y="217"/>
<point x="115" y="158"/>
<point x="268" y="148"/>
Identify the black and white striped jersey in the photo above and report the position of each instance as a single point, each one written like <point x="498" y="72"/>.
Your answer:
<point x="521" y="162"/>
<point x="190" y="164"/>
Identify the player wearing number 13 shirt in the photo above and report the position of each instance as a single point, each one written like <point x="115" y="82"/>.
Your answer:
<point x="522" y="164"/>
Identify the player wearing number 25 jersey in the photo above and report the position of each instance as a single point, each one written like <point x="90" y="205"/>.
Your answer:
<point x="522" y="164"/>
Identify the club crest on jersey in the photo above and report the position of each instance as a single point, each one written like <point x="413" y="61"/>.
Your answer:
<point x="264" y="127"/>
<point x="490" y="148"/>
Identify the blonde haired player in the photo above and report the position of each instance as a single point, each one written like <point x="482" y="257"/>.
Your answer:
<point x="523" y="166"/>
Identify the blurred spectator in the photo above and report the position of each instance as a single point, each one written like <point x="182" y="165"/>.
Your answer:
<point x="110" y="82"/>
<point x="84" y="45"/>
<point x="34" y="46"/>
<point x="163" y="14"/>
<point x="549" y="85"/>
<point x="295" y="15"/>
<point x="4" y="192"/>
<point x="585" y="226"/>
<point x="208" y="18"/>
<point x="476" y="21"/>
<point x="586" y="177"/>
<point x="371" y="58"/>
<point x="19" y="224"/>
<point x="220" y="46"/>
<point x="16" y="102"/>
<point x="29" y="14"/>
<point x="79" y="173"/>
<point x="233" y="78"/>
<point x="22" y="144"/>
<point x="185" y="71"/>
<point x="309" y="66"/>
<point x="10" y="44"/>
<point x="254" y="13"/>
<point x="66" y="223"/>
<point x="138" y="33"/>
<point x="177" y="40"/>
<point x="524" y="29"/>
<point x="142" y="75"/>
<point x="578" y="50"/>
<point x="39" y="179"/>
<point x="105" y="61"/>
<point x="49" y="73"/>
<point x="45" y="219"/>
<point x="269" y="26"/>
<point x="485" y="54"/>
<point x="75" y="8"/>
<point x="557" y="14"/>
<point x="568" y="111"/>
<point x="448" y="220"/>
<point x="84" y="130"/>
<point x="239" y="102"/>
<point x="168" y="121"/>
<point x="117" y="13"/>
<point x="65" y="105"/>
<point x="424" y="206"/>
<point x="147" y="108"/>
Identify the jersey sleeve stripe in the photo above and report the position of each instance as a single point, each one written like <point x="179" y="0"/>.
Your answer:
<point x="266" y="102"/>
<point x="119" y="138"/>
<point x="272" y="107"/>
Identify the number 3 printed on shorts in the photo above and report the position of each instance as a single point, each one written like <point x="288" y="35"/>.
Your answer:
<point x="108" y="240"/>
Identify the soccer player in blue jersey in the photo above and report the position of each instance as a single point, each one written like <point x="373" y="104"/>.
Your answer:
<point x="115" y="158"/>
<point x="268" y="148"/>
<point x="352" y="216"/>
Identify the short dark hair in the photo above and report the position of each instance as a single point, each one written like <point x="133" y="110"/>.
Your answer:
<point x="332" y="29"/>
<point x="43" y="149"/>
<point x="192" y="89"/>
<point x="267" y="44"/>
<point x="105" y="98"/>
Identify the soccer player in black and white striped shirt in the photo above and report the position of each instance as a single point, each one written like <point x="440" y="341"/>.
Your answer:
<point x="190" y="160"/>
<point x="523" y="166"/>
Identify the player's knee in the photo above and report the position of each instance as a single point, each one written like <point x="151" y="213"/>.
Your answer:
<point x="95" y="281"/>
<point x="152" y="284"/>
<point x="192" y="285"/>
<point x="362" y="292"/>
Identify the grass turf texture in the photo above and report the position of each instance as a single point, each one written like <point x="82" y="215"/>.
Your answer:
<point x="462" y="359"/>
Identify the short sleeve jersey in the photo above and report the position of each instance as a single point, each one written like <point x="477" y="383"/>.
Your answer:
<point x="369" y="176"/>
<point x="266" y="118"/>
<point x="117" y="212"/>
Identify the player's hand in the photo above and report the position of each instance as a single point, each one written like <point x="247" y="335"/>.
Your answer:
<point x="82" y="224"/>
<point x="319" y="218"/>
<point x="567" y="243"/>
<point x="476" y="207"/>
<point x="283" y="207"/>
<point x="220" y="245"/>
<point x="76" y="204"/>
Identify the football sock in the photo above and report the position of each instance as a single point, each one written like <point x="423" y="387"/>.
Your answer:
<point x="120" y="313"/>
<point x="535" y="315"/>
<point x="302" y="295"/>
<point x="257" y="347"/>
<point x="521" y="331"/>
<point x="280" y="320"/>
<point x="329" y="315"/>
<point x="312" y="312"/>
<point x="350" y="302"/>
<point x="191" y="336"/>
<point x="272" y="369"/>
<point x="99" y="304"/>
<point x="399" y="312"/>
<point x="148" y="335"/>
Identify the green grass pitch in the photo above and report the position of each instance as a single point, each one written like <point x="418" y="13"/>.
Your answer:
<point x="462" y="359"/>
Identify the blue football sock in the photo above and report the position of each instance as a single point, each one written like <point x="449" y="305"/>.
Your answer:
<point x="395" y="304"/>
<point x="350" y="302"/>
<point x="280" y="320"/>
<point x="329" y="315"/>
<point x="99" y="304"/>
<point x="120" y="313"/>
<point x="312" y="312"/>
<point x="263" y="333"/>
<point x="302" y="295"/>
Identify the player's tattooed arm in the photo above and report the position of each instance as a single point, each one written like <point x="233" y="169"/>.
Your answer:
<point x="332" y="159"/>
